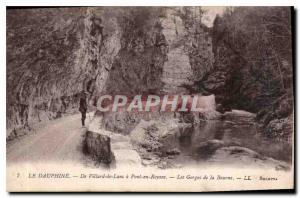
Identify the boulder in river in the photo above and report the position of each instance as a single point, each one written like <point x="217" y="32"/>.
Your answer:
<point x="174" y="151"/>
<point x="244" y="157"/>
<point x="240" y="116"/>
<point x="211" y="145"/>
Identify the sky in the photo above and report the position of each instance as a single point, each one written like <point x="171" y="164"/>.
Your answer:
<point x="212" y="11"/>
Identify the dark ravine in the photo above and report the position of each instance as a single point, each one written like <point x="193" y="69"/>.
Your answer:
<point x="253" y="67"/>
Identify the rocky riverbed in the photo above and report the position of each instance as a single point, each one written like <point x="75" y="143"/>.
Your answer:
<point x="191" y="139"/>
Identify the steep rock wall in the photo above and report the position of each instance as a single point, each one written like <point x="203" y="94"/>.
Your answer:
<point x="138" y="67"/>
<point x="55" y="53"/>
<point x="190" y="54"/>
<point x="52" y="55"/>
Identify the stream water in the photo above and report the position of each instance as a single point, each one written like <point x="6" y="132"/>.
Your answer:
<point x="188" y="140"/>
<point x="174" y="143"/>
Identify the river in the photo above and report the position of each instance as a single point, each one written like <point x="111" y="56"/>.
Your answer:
<point x="190" y="139"/>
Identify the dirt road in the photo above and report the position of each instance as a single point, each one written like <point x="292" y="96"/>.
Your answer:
<point x="58" y="140"/>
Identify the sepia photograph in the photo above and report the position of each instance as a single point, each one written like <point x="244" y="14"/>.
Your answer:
<point x="150" y="99"/>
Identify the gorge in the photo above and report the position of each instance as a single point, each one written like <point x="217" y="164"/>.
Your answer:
<point x="241" y="65"/>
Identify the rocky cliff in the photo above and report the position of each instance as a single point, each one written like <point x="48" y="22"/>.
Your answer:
<point x="253" y="68"/>
<point x="53" y="54"/>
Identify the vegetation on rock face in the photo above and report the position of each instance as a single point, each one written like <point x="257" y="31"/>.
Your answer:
<point x="253" y="62"/>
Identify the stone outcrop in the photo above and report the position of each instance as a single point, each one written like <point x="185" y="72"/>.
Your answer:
<point x="281" y="129"/>
<point x="209" y="147"/>
<point x="155" y="141"/>
<point x="121" y="147"/>
<point x="277" y="120"/>
<point x="189" y="54"/>
<point x="177" y="69"/>
<point x="98" y="147"/>
<point x="138" y="67"/>
<point x="239" y="117"/>
<point x="244" y="158"/>
<point x="52" y="55"/>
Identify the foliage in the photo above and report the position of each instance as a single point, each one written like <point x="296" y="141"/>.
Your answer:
<point x="254" y="48"/>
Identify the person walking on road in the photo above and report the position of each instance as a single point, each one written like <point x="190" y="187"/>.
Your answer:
<point x="83" y="107"/>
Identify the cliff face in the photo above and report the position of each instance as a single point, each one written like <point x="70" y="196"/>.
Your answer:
<point x="163" y="50"/>
<point x="190" y="54"/>
<point x="138" y="66"/>
<point x="55" y="53"/>
<point x="52" y="55"/>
